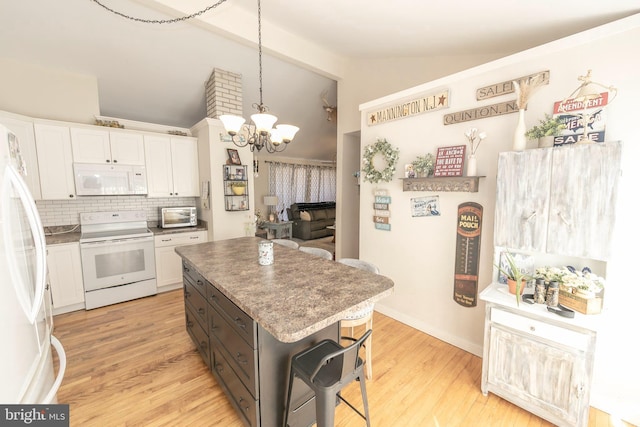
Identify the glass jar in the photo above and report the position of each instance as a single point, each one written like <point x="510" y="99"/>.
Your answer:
<point x="265" y="253"/>
<point x="540" y="293"/>
<point x="553" y="293"/>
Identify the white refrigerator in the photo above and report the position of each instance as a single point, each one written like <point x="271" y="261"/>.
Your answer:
<point x="26" y="364"/>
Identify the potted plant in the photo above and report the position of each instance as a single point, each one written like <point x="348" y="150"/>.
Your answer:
<point x="423" y="165"/>
<point x="546" y="130"/>
<point x="238" y="188"/>
<point x="516" y="278"/>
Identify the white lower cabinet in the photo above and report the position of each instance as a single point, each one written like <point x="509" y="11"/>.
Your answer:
<point x="65" y="277"/>
<point x="168" y="263"/>
<point x="537" y="362"/>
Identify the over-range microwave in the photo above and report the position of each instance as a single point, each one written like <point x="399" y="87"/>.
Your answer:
<point x="106" y="180"/>
<point x="185" y="216"/>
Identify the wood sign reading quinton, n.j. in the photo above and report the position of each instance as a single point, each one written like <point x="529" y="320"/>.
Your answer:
<point x="423" y="104"/>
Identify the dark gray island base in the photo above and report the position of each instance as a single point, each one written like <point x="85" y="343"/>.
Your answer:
<point x="247" y="320"/>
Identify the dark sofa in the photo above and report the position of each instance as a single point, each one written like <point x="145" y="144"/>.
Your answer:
<point x="310" y="220"/>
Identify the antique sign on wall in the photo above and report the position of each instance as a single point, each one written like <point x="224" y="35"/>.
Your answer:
<point x="424" y="104"/>
<point x="381" y="210"/>
<point x="425" y="206"/>
<point x="575" y="114"/>
<point x="492" y="110"/>
<point x="505" y="88"/>
<point x="449" y="161"/>
<point x="469" y="229"/>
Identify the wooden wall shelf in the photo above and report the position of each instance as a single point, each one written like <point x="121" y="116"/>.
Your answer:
<point x="469" y="184"/>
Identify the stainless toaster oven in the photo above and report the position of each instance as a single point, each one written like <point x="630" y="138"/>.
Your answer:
<point x="185" y="216"/>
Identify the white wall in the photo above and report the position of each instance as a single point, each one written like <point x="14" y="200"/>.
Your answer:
<point x="48" y="93"/>
<point x="212" y="155"/>
<point x="366" y="79"/>
<point x="418" y="253"/>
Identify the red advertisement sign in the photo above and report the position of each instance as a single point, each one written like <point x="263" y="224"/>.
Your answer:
<point x="450" y="161"/>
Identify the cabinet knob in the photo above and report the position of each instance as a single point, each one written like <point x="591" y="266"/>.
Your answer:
<point x="532" y="328"/>
<point x="240" y="359"/>
<point x="240" y="323"/>
<point x="171" y="194"/>
<point x="115" y="161"/>
<point x="176" y="194"/>
<point x="246" y="408"/>
<point x="108" y="161"/>
<point x="71" y="196"/>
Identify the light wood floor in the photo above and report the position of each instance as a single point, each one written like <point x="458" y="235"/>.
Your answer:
<point x="133" y="364"/>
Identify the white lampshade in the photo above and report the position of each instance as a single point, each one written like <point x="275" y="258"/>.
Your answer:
<point x="287" y="132"/>
<point x="276" y="137"/>
<point x="270" y="200"/>
<point x="264" y="122"/>
<point x="232" y="124"/>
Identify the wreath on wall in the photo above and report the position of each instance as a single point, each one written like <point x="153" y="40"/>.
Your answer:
<point x="390" y="154"/>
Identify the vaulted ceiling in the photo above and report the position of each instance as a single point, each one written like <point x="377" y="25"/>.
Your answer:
<point x="156" y="73"/>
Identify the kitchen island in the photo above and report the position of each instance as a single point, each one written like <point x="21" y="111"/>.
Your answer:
<point x="247" y="319"/>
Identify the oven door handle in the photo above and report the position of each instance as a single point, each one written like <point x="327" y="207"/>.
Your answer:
<point x="118" y="241"/>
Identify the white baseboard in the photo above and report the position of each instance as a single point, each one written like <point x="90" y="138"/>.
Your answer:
<point x="427" y="329"/>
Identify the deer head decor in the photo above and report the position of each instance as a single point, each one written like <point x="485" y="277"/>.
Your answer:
<point x="332" y="110"/>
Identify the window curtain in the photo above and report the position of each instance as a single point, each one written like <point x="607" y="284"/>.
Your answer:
<point x="296" y="183"/>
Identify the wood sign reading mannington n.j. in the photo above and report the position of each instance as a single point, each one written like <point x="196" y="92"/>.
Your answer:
<point x="423" y="104"/>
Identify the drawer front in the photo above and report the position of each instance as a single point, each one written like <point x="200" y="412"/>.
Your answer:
<point x="240" y="397"/>
<point x="178" y="239"/>
<point x="198" y="335"/>
<point x="197" y="303"/>
<point x="238" y="319"/>
<point x="537" y="328"/>
<point x="192" y="276"/>
<point x="238" y="352"/>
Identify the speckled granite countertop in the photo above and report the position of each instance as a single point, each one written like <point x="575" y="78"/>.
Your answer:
<point x="296" y="296"/>
<point x="60" y="234"/>
<point x="202" y="226"/>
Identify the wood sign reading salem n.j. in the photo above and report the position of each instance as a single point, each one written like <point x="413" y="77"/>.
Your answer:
<point x="424" y="104"/>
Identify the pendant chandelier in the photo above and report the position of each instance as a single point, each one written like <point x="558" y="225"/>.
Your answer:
<point x="261" y="134"/>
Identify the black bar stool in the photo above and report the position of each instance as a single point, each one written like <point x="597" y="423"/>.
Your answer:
<point x="327" y="368"/>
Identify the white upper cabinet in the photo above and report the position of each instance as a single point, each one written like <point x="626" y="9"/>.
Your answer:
<point x="23" y="129"/>
<point x="583" y="198"/>
<point x="558" y="200"/>
<point x="184" y="156"/>
<point x="104" y="146"/>
<point x="522" y="199"/>
<point x="172" y="166"/>
<point x="55" y="161"/>
<point x="127" y="148"/>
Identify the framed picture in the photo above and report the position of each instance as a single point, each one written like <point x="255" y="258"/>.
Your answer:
<point x="239" y="173"/>
<point x="234" y="157"/>
<point x="409" y="172"/>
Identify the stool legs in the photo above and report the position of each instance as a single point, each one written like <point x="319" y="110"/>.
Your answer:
<point x="325" y="409"/>
<point x="367" y="347"/>
<point x="363" y="391"/>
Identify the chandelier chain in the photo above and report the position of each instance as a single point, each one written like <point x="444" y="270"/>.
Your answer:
<point x="161" y="21"/>
<point x="262" y="107"/>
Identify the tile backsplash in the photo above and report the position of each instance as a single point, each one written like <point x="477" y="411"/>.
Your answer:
<point x="67" y="212"/>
